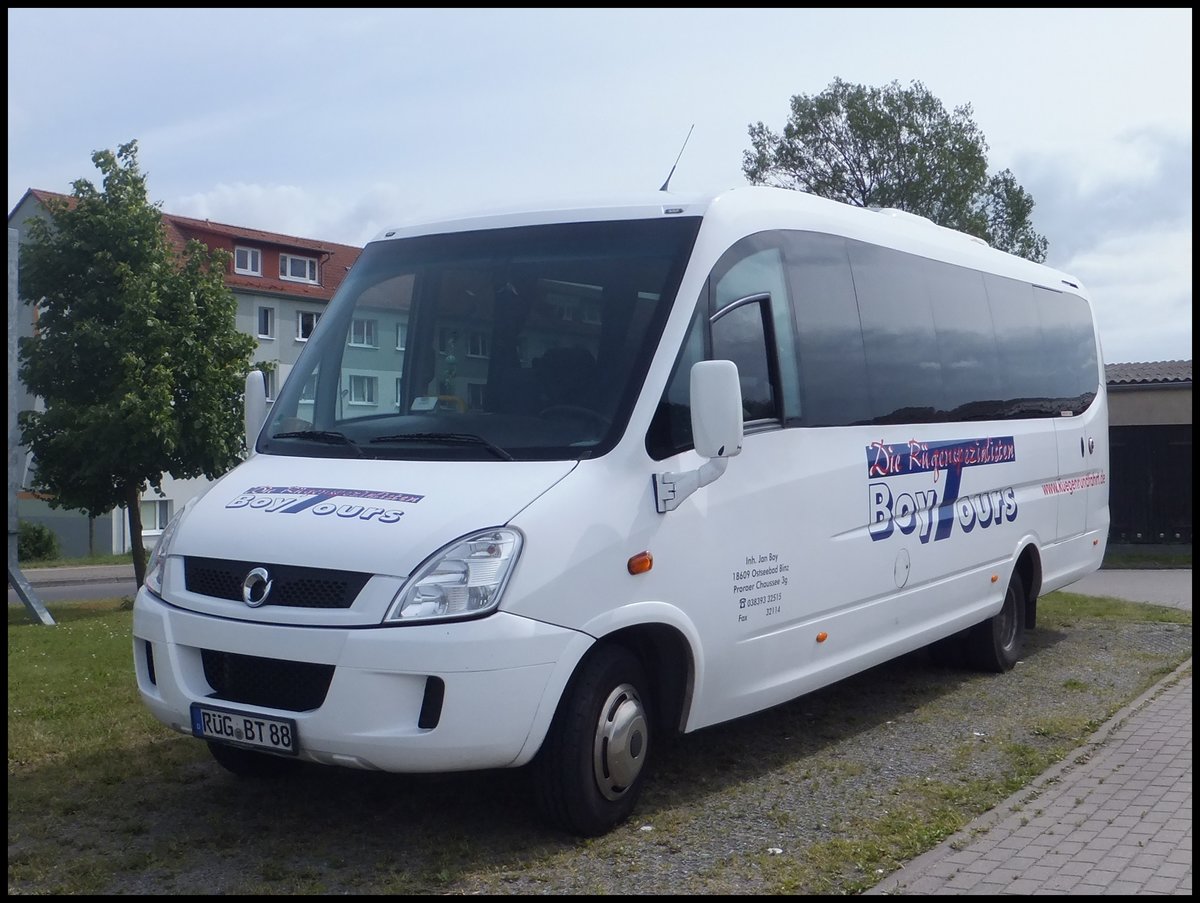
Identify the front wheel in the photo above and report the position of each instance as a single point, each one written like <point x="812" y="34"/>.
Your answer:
<point x="996" y="644"/>
<point x="591" y="767"/>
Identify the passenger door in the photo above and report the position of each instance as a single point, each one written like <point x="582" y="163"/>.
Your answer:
<point x="741" y="536"/>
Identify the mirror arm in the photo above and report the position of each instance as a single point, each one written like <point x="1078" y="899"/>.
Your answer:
<point x="670" y="489"/>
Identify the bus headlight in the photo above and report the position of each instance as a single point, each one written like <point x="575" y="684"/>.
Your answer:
<point x="156" y="567"/>
<point x="464" y="579"/>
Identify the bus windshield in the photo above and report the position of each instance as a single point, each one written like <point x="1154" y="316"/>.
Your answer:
<point x="524" y="343"/>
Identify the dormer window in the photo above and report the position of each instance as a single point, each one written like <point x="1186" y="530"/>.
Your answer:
<point x="247" y="261"/>
<point x="298" y="269"/>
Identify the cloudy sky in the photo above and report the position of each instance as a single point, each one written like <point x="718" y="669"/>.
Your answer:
<point x="333" y="124"/>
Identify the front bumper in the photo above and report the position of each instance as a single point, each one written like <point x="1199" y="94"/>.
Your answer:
<point x="502" y="676"/>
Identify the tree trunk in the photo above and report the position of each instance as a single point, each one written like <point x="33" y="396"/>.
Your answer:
<point x="133" y="506"/>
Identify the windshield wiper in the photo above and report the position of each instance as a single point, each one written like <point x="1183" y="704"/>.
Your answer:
<point x="330" y="437"/>
<point x="453" y="438"/>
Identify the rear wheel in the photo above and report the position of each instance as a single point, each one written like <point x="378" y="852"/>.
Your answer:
<point x="996" y="644"/>
<point x="246" y="763"/>
<point x="590" y="770"/>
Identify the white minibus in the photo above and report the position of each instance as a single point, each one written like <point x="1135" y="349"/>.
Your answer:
<point x="547" y="486"/>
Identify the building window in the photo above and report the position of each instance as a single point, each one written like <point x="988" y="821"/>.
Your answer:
<point x="298" y="269"/>
<point x="156" y="514"/>
<point x="362" y="333"/>
<point x="362" y="389"/>
<point x="247" y="261"/>
<point x="399" y="393"/>
<point x="475" y="396"/>
<point x="306" y="322"/>
<point x="270" y="380"/>
<point x="266" y="322"/>
<point x="401" y="335"/>
<point x="477" y="344"/>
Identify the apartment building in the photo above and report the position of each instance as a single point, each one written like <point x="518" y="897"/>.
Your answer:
<point x="282" y="284"/>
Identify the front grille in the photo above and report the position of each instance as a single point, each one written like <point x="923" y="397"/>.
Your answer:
<point x="295" y="587"/>
<point x="268" y="682"/>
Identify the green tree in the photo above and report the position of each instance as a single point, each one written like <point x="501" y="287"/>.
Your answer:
<point x="135" y="354"/>
<point x="895" y="147"/>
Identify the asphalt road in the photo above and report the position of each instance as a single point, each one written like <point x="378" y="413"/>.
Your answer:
<point x="78" y="592"/>
<point x="79" y="584"/>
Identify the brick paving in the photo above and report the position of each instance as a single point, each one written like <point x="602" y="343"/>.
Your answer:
<point x="1115" y="817"/>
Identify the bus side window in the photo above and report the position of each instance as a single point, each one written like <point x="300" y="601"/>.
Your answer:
<point x="740" y="334"/>
<point x="754" y="266"/>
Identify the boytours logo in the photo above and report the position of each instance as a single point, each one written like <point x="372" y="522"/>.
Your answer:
<point x="319" y="501"/>
<point x="928" y="511"/>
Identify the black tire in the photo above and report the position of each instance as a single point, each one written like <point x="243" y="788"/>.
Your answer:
<point x="246" y="763"/>
<point x="996" y="644"/>
<point x="591" y="768"/>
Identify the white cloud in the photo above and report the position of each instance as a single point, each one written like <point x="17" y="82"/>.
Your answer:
<point x="1141" y="286"/>
<point x="1129" y="161"/>
<point x="348" y="121"/>
<point x="284" y="209"/>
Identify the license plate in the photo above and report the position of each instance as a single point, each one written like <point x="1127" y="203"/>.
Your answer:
<point x="258" y="731"/>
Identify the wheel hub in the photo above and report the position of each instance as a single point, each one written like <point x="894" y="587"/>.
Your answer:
<point x="620" y="746"/>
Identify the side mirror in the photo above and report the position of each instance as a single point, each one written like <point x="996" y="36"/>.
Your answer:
<point x="716" y="409"/>
<point x="716" y="431"/>
<point x="255" y="407"/>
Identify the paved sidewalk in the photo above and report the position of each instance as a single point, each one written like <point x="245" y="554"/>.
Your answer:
<point x="1170" y="587"/>
<point x="1114" y="817"/>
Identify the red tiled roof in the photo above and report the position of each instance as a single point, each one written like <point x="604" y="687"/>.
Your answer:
<point x="333" y="259"/>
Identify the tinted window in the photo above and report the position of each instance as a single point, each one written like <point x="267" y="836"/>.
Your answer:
<point x="833" y="369"/>
<point x="739" y="334"/>
<point x="1024" y="366"/>
<point x="966" y="341"/>
<point x="1070" y="346"/>
<point x="754" y="266"/>
<point x="885" y="337"/>
<point x="904" y="370"/>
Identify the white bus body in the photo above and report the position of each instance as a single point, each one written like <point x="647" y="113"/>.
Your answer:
<point x="515" y="506"/>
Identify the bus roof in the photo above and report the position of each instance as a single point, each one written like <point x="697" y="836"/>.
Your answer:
<point x="736" y="212"/>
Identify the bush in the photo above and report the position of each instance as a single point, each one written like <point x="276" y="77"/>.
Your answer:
<point x="36" y="542"/>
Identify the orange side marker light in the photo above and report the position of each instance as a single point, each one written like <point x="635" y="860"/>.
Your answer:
<point x="822" y="637"/>
<point x="640" y="563"/>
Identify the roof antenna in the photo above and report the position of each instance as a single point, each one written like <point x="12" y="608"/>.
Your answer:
<point x="672" y="172"/>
